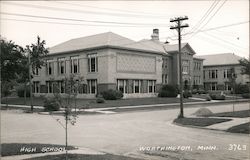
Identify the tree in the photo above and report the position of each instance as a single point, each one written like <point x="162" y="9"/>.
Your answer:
<point x="36" y="53"/>
<point x="245" y="66"/>
<point x="71" y="87"/>
<point x="11" y="59"/>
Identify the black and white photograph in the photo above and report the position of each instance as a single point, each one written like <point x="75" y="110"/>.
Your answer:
<point x="125" y="80"/>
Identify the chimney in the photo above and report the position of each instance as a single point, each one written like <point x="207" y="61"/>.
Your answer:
<point x="155" y="35"/>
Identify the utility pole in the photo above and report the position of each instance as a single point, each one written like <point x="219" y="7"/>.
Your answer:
<point x="31" y="93"/>
<point x="178" y="27"/>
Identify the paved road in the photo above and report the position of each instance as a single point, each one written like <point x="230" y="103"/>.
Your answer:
<point x="126" y="133"/>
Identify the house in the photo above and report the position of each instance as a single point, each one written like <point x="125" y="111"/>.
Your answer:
<point x="218" y="70"/>
<point x="110" y="61"/>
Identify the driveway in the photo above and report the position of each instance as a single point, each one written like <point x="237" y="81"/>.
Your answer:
<point x="129" y="133"/>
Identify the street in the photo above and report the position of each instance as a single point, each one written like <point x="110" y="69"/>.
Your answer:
<point x="128" y="132"/>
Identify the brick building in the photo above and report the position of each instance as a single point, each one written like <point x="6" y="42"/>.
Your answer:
<point x="110" y="61"/>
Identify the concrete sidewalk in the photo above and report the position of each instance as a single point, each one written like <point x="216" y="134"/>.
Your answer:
<point x="77" y="151"/>
<point x="226" y="125"/>
<point x="140" y="106"/>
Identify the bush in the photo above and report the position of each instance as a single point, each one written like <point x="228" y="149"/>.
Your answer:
<point x="245" y="95"/>
<point x="187" y="94"/>
<point x="217" y="97"/>
<point x="100" y="99"/>
<point x="168" y="91"/>
<point x="241" y="89"/>
<point x="201" y="91"/>
<point x="50" y="104"/>
<point x="21" y="90"/>
<point x="112" y="94"/>
<point x="208" y="98"/>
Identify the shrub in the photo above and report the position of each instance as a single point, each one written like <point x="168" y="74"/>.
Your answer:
<point x="100" y="99"/>
<point x="208" y="98"/>
<point x="168" y="91"/>
<point x="217" y="97"/>
<point x="112" y="94"/>
<point x="50" y="104"/>
<point x="245" y="95"/>
<point x="21" y="91"/>
<point x="201" y="91"/>
<point x="241" y="89"/>
<point x="187" y="94"/>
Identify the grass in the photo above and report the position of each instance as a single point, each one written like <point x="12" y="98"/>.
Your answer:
<point x="10" y="149"/>
<point x="84" y="156"/>
<point x="91" y="103"/>
<point x="201" y="122"/>
<point x="236" y="114"/>
<point x="242" y="128"/>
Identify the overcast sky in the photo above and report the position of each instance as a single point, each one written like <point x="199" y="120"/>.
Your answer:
<point x="214" y="26"/>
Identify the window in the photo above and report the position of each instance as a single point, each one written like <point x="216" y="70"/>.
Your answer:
<point x="227" y="73"/>
<point x="49" y="85"/>
<point x="213" y="86"/>
<point x="35" y="71"/>
<point x="61" y="66"/>
<point x="165" y="63"/>
<point x="36" y="87"/>
<point x="122" y="85"/>
<point x="50" y="67"/>
<point x="137" y="86"/>
<point x="74" y="64"/>
<point x="151" y="86"/>
<point x="213" y="74"/>
<point x="92" y="62"/>
<point x="185" y="66"/>
<point x="92" y="86"/>
<point x="165" y="79"/>
<point x="227" y="87"/>
<point x="61" y="86"/>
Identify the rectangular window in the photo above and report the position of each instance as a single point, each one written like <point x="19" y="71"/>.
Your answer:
<point x="151" y="86"/>
<point x="213" y="86"/>
<point x="49" y="85"/>
<point x="122" y="85"/>
<point x="213" y="74"/>
<point x="137" y="86"/>
<point x="61" y="86"/>
<point x="227" y="87"/>
<point x="74" y="64"/>
<point x="92" y="86"/>
<point x="61" y="66"/>
<point x="92" y="63"/>
<point x="36" y="87"/>
<point x="165" y="79"/>
<point x="35" y="71"/>
<point x="50" y="67"/>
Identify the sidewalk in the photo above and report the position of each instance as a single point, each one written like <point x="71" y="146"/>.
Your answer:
<point x="226" y="125"/>
<point x="104" y="110"/>
<point x="77" y="151"/>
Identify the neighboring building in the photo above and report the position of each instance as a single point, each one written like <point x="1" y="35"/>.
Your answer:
<point x="218" y="70"/>
<point x="110" y="61"/>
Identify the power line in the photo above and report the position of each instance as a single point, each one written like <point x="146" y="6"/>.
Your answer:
<point x="81" y="20"/>
<point x="211" y="8"/>
<point x="209" y="18"/>
<point x="83" y="11"/>
<point x="76" y="24"/>
<point x="119" y="10"/>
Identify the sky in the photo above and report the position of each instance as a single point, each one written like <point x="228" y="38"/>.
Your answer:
<point x="215" y="26"/>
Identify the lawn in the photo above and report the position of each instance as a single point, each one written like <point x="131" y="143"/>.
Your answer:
<point x="242" y="128"/>
<point x="84" y="156"/>
<point x="236" y="114"/>
<point x="201" y="122"/>
<point x="10" y="149"/>
<point x="91" y="103"/>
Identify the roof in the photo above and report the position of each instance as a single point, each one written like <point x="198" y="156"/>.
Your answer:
<point x="97" y="40"/>
<point x="110" y="39"/>
<point x="220" y="59"/>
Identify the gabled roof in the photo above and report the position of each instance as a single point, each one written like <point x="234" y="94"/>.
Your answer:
<point x="220" y="59"/>
<point x="103" y="39"/>
<point x="175" y="47"/>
